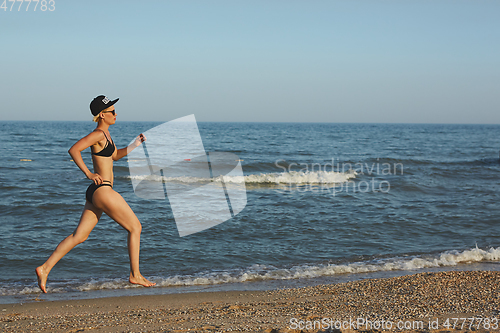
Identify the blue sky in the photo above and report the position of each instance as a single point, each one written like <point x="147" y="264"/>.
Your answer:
<point x="287" y="61"/>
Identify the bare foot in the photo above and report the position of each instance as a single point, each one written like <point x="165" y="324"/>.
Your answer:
<point x="141" y="280"/>
<point x="42" y="278"/>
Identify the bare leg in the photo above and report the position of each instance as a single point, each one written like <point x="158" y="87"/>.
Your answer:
<point x="112" y="203"/>
<point x="88" y="220"/>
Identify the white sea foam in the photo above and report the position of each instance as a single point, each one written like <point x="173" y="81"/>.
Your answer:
<point x="292" y="177"/>
<point x="259" y="272"/>
<point x="263" y="272"/>
<point x="106" y="285"/>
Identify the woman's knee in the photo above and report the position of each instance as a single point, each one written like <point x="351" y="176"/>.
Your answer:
<point x="136" y="228"/>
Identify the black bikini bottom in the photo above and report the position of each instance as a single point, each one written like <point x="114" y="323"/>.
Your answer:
<point x="93" y="187"/>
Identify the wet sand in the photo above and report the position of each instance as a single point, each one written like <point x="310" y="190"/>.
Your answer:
<point x="419" y="302"/>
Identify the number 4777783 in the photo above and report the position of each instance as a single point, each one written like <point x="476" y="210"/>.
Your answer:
<point x="42" y="5"/>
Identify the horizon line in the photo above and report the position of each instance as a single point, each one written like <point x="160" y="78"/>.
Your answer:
<point x="259" y="122"/>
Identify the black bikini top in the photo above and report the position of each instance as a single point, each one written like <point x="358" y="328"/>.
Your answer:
<point x="108" y="149"/>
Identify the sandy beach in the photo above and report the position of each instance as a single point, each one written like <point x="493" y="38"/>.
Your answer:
<point x="419" y="302"/>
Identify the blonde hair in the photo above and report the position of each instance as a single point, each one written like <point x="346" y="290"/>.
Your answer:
<point x="96" y="118"/>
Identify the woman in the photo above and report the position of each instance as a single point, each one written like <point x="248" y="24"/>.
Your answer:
<point x="100" y="196"/>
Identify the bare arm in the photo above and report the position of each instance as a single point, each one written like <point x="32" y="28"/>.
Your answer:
<point x="124" y="151"/>
<point x="76" y="153"/>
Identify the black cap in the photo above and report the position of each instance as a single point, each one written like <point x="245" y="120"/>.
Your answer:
<point x="100" y="103"/>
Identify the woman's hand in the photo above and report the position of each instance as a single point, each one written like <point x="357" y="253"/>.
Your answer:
<point x="140" y="139"/>
<point x="96" y="178"/>
<point x="125" y="151"/>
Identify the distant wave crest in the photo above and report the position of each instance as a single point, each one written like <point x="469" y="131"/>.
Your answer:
<point x="292" y="177"/>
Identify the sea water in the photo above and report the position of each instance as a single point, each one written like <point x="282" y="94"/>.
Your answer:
<point x="325" y="203"/>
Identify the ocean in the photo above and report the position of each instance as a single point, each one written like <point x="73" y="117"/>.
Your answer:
<point x="325" y="203"/>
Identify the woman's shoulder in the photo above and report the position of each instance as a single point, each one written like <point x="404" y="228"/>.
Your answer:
<point x="97" y="134"/>
<point x="103" y="134"/>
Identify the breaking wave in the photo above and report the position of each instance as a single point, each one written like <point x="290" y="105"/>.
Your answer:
<point x="292" y="177"/>
<point x="269" y="272"/>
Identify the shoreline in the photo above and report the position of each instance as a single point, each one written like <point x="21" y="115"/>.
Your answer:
<point x="417" y="297"/>
<point x="33" y="293"/>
